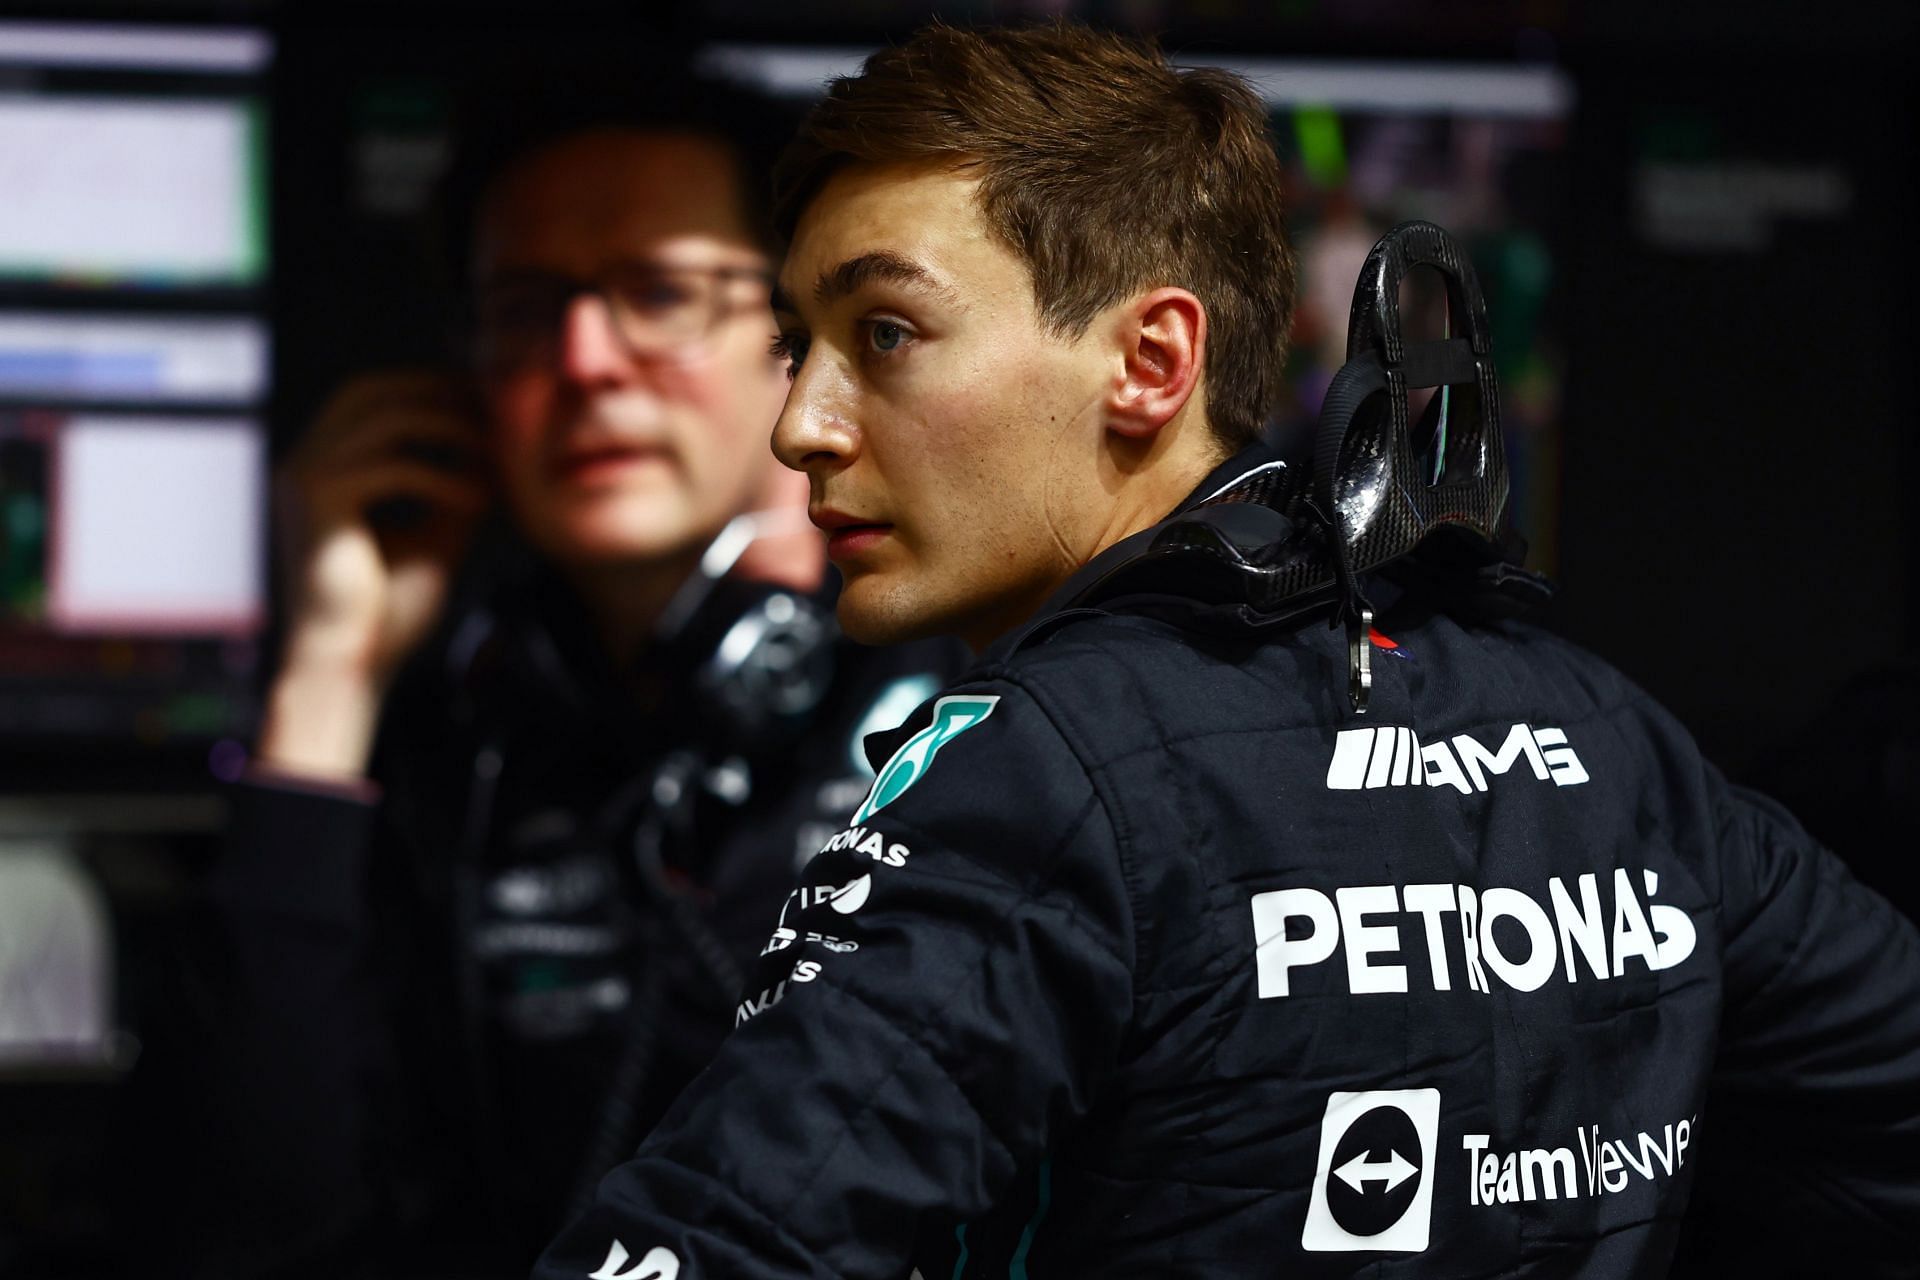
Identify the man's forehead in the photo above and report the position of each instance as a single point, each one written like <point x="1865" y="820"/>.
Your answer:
<point x="891" y="222"/>
<point x="585" y="201"/>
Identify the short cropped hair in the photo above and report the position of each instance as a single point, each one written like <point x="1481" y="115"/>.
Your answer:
<point x="503" y="121"/>
<point x="1107" y="171"/>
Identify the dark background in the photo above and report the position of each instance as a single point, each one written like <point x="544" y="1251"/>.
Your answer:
<point x="1737" y="444"/>
<point x="1733" y="528"/>
<point x="1734" y="532"/>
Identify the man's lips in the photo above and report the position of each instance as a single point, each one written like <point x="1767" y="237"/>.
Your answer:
<point x="848" y="534"/>
<point x="603" y="460"/>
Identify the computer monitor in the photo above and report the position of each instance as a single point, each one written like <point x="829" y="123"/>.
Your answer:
<point x="134" y="374"/>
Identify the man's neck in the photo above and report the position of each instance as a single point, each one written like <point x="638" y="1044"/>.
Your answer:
<point x="626" y="598"/>
<point x="1158" y="477"/>
<point x="1162" y="475"/>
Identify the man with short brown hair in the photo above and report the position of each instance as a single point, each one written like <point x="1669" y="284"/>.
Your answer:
<point x="1118" y="173"/>
<point x="1148" y="955"/>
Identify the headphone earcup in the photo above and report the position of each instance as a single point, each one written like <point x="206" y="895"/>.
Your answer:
<point x="744" y="671"/>
<point x="768" y="662"/>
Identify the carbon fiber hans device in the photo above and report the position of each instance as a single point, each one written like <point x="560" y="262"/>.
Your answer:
<point x="1365" y="471"/>
<point x="1279" y="544"/>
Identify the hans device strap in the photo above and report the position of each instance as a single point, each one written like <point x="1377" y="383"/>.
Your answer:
<point x="1422" y="503"/>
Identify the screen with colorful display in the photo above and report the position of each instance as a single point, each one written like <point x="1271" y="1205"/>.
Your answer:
<point x="134" y="372"/>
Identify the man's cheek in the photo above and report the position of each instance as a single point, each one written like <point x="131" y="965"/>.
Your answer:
<point x="516" y="465"/>
<point x="517" y="411"/>
<point x="701" y="381"/>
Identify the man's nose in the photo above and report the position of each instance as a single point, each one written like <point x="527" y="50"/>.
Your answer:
<point x="814" y="433"/>
<point x="591" y="351"/>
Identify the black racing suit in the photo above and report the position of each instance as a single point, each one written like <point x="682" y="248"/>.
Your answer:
<point x="443" y="1006"/>
<point x="1147" y="957"/>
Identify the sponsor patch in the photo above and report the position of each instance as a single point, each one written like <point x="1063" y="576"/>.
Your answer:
<point x="1573" y="935"/>
<point x="952" y="716"/>
<point x="1393" y="756"/>
<point x="1605" y="1166"/>
<point x="753" y="1006"/>
<point x="1373" y="1181"/>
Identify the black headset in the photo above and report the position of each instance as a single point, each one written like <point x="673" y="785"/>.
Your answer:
<point x="759" y="656"/>
<point x="762" y="653"/>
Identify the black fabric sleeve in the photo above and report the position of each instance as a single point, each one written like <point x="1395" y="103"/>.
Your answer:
<point x="297" y="852"/>
<point x="294" y="1037"/>
<point x="1815" y="1103"/>
<point x="938" y="998"/>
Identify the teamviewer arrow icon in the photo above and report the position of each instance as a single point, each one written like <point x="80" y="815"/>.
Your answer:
<point x="1393" y="1171"/>
<point x="1363" y="1204"/>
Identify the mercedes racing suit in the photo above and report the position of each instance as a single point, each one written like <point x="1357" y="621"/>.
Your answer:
<point x="1147" y="957"/>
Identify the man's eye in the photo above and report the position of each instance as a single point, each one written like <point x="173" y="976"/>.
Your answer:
<point x="656" y="295"/>
<point x="791" y="346"/>
<point x="886" y="335"/>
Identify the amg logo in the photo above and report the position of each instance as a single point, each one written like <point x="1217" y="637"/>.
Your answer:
<point x="1393" y="756"/>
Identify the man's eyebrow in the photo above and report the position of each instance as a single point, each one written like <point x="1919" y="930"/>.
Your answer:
<point x="837" y="282"/>
<point x="880" y="265"/>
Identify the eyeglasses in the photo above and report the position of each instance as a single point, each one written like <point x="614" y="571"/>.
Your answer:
<point x="654" y="309"/>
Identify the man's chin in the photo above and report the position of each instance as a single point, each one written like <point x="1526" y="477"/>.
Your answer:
<point x="875" y="612"/>
<point x="871" y="613"/>
<point x="879" y="626"/>
<point x="600" y="548"/>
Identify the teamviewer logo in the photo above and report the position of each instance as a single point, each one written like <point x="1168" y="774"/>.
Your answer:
<point x="1373" y="1185"/>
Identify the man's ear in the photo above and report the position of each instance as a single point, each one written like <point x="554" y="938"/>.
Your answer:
<point x="1163" y="340"/>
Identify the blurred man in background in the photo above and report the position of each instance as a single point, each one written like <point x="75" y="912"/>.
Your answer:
<point x="511" y="838"/>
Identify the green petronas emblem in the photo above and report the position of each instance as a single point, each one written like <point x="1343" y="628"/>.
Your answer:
<point x="952" y="716"/>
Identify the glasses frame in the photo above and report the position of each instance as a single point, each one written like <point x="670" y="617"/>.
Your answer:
<point x="638" y="335"/>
